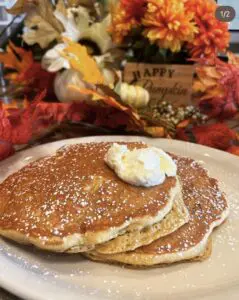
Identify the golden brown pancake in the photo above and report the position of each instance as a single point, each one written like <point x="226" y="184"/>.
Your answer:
<point x="72" y="201"/>
<point x="205" y="254"/>
<point x="129" y="241"/>
<point x="207" y="207"/>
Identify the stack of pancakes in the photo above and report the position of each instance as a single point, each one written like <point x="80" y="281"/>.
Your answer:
<point x="73" y="202"/>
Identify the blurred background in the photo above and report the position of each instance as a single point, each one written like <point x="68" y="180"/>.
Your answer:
<point x="10" y="28"/>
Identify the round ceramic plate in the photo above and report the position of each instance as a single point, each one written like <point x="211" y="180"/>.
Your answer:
<point x="38" y="275"/>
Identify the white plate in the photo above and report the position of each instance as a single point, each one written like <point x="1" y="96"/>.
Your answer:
<point x="38" y="275"/>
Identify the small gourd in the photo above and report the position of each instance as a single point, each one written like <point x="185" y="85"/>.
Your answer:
<point x="133" y="95"/>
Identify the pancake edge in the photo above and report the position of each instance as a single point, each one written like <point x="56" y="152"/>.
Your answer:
<point x="149" y="260"/>
<point x="154" y="233"/>
<point x="88" y="241"/>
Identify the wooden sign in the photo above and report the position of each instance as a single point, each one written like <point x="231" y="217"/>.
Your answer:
<point x="171" y="83"/>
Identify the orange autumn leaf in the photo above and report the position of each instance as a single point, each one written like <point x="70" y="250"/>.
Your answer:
<point x="105" y="98"/>
<point x="233" y="150"/>
<point x="207" y="78"/>
<point x="232" y="58"/>
<point x="16" y="58"/>
<point x="155" y="131"/>
<point x="208" y="82"/>
<point x="219" y="88"/>
<point x="218" y="91"/>
<point x="183" y="124"/>
<point x="217" y="135"/>
<point x="20" y="123"/>
<point x="81" y="61"/>
<point x="14" y="104"/>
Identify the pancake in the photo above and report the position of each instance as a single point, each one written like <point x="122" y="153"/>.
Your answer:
<point x="207" y="207"/>
<point x="72" y="201"/>
<point x="96" y="257"/>
<point x="176" y="218"/>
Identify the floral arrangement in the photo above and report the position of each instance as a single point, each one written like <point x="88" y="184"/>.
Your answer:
<point x="70" y="70"/>
<point x="157" y="29"/>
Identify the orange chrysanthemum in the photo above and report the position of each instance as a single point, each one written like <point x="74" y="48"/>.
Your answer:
<point x="213" y="35"/>
<point x="168" y="25"/>
<point x="134" y="8"/>
<point x="126" y="15"/>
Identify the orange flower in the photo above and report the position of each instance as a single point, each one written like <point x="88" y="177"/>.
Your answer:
<point x="213" y="35"/>
<point x="134" y="8"/>
<point x="168" y="24"/>
<point x="126" y="15"/>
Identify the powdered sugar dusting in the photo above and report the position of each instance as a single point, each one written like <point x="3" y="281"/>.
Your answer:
<point x="194" y="280"/>
<point x="74" y="192"/>
<point x="206" y="205"/>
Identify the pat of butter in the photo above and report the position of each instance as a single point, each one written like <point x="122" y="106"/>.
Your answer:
<point x="140" y="167"/>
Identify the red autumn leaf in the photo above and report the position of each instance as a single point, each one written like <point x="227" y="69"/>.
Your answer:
<point x="39" y="97"/>
<point x="218" y="107"/>
<point x="22" y="128"/>
<point x="218" y="135"/>
<point x="111" y="118"/>
<point x="6" y="149"/>
<point x="55" y="112"/>
<point x="233" y="150"/>
<point x="19" y="125"/>
<point x="26" y="72"/>
<point x="220" y="96"/>
<point x="36" y="78"/>
<point x="109" y="98"/>
<point x="78" y="112"/>
<point x="16" y="127"/>
<point x="46" y="114"/>
<point x="236" y="94"/>
<point x="185" y="134"/>
<point x="5" y="127"/>
<point x="229" y="110"/>
<point x="212" y="107"/>
<point x="16" y="58"/>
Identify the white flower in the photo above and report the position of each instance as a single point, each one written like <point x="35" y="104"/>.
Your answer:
<point x="75" y="22"/>
<point x="98" y="33"/>
<point x="77" y="25"/>
<point x="53" y="60"/>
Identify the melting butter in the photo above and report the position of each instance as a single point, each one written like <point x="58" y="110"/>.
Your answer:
<point x="140" y="167"/>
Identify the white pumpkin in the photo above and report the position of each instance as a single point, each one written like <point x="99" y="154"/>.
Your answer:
<point x="62" y="88"/>
<point x="133" y="95"/>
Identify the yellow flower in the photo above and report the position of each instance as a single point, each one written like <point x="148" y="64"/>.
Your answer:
<point x="168" y="24"/>
<point x="126" y="15"/>
<point x="213" y="35"/>
<point x="120" y="27"/>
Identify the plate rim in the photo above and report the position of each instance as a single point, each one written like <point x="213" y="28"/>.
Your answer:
<point x="179" y="142"/>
